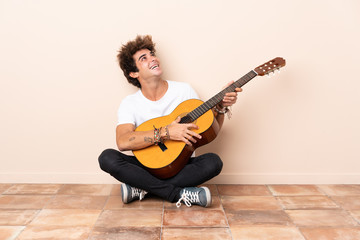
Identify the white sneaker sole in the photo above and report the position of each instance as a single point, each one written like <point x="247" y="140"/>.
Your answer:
<point x="208" y="196"/>
<point x="124" y="193"/>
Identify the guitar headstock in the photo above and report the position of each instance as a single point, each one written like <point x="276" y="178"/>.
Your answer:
<point x="270" y="66"/>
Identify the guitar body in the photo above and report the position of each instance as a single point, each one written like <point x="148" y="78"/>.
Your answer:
<point x="167" y="160"/>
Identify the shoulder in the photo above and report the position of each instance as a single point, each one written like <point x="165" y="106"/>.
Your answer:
<point x="132" y="97"/>
<point x="179" y="84"/>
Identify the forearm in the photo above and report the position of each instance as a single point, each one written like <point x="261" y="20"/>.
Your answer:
<point x="219" y="118"/>
<point x="219" y="113"/>
<point x="135" y="140"/>
<point x="138" y="140"/>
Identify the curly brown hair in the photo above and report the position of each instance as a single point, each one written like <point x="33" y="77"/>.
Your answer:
<point x="126" y="52"/>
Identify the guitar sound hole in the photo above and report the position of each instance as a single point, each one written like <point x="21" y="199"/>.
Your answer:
<point x="186" y="119"/>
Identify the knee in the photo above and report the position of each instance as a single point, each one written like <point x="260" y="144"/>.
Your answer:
<point x="216" y="163"/>
<point x="105" y="159"/>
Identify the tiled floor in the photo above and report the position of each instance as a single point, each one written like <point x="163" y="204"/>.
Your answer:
<point x="261" y="212"/>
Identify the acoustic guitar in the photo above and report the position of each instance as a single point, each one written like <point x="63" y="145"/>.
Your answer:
<point x="168" y="158"/>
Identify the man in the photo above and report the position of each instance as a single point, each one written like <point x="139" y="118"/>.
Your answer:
<point x="158" y="97"/>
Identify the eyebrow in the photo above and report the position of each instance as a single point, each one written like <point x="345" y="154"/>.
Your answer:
<point x="141" y="56"/>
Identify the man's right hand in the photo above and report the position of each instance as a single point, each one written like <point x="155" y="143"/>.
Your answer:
<point x="182" y="132"/>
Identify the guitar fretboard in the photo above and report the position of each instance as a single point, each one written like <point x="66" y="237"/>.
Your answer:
<point x="206" y="106"/>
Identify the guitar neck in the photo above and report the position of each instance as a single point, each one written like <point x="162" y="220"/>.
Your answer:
<point x="212" y="102"/>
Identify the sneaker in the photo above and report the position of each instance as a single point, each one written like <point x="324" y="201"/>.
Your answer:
<point x="193" y="195"/>
<point x="129" y="193"/>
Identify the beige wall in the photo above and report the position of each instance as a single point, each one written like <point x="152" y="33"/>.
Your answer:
<point x="61" y="86"/>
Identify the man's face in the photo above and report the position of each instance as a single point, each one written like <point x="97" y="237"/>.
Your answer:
<point x="147" y="64"/>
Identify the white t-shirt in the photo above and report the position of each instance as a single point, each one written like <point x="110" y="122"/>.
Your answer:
<point x="136" y="108"/>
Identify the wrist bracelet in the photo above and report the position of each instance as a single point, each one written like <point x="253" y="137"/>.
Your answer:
<point x="167" y="136"/>
<point x="222" y="111"/>
<point x="157" y="137"/>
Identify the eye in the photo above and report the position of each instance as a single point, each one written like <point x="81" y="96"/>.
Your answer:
<point x="152" y="53"/>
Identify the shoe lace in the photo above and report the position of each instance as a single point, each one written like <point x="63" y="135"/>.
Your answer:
<point x="188" y="197"/>
<point x="136" y="192"/>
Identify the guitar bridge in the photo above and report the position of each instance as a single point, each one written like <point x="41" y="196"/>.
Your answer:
<point x="162" y="146"/>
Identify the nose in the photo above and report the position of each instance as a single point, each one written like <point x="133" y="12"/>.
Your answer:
<point x="152" y="58"/>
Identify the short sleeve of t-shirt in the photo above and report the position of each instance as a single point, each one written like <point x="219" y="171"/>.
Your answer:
<point x="136" y="108"/>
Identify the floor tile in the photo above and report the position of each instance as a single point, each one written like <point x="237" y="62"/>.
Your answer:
<point x="195" y="218"/>
<point x="356" y="215"/>
<point x="321" y="218"/>
<point x="53" y="232"/>
<point x="213" y="189"/>
<point x="250" y="203"/>
<point x="243" y="190"/>
<point x="116" y="190"/>
<point x="15" y="217"/>
<point x="24" y="201"/>
<point x="344" y="189"/>
<point x="196" y="233"/>
<point x="348" y="202"/>
<point x="86" y="189"/>
<point x="4" y="187"/>
<point x="115" y="202"/>
<point x="126" y="233"/>
<point x="96" y="211"/>
<point x="10" y="232"/>
<point x="307" y="202"/>
<point x="264" y="218"/>
<point x="266" y="233"/>
<point x="331" y="233"/>
<point x="66" y="217"/>
<point x="115" y="219"/>
<point x="37" y="189"/>
<point x="77" y="202"/>
<point x="294" y="190"/>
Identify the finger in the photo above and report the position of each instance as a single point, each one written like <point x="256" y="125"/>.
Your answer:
<point x="192" y="126"/>
<point x="191" y="139"/>
<point x="185" y="140"/>
<point x="231" y="94"/>
<point x="194" y="134"/>
<point x="230" y="99"/>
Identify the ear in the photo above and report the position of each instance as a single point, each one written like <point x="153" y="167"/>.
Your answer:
<point x="134" y="74"/>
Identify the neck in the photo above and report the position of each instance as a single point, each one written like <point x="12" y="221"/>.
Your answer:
<point x="154" y="90"/>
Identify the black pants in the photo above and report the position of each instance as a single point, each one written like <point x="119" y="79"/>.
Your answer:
<point x="128" y="169"/>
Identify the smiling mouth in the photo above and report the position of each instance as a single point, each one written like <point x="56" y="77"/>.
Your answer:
<point x="154" y="66"/>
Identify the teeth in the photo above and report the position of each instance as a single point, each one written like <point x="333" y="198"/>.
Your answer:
<point x="155" y="66"/>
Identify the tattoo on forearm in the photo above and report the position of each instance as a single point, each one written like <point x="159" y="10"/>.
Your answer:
<point x="132" y="139"/>
<point x="148" y="139"/>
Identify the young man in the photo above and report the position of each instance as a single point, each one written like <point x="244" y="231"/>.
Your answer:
<point x="157" y="97"/>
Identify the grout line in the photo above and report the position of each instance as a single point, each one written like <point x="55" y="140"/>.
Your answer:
<point x="102" y="211"/>
<point x="345" y="210"/>
<point x="162" y="219"/>
<point x="283" y="207"/>
<point x="222" y="207"/>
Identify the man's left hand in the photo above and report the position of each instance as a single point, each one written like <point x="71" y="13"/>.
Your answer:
<point x="230" y="97"/>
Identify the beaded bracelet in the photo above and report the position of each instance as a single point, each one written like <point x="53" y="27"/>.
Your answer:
<point x="157" y="137"/>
